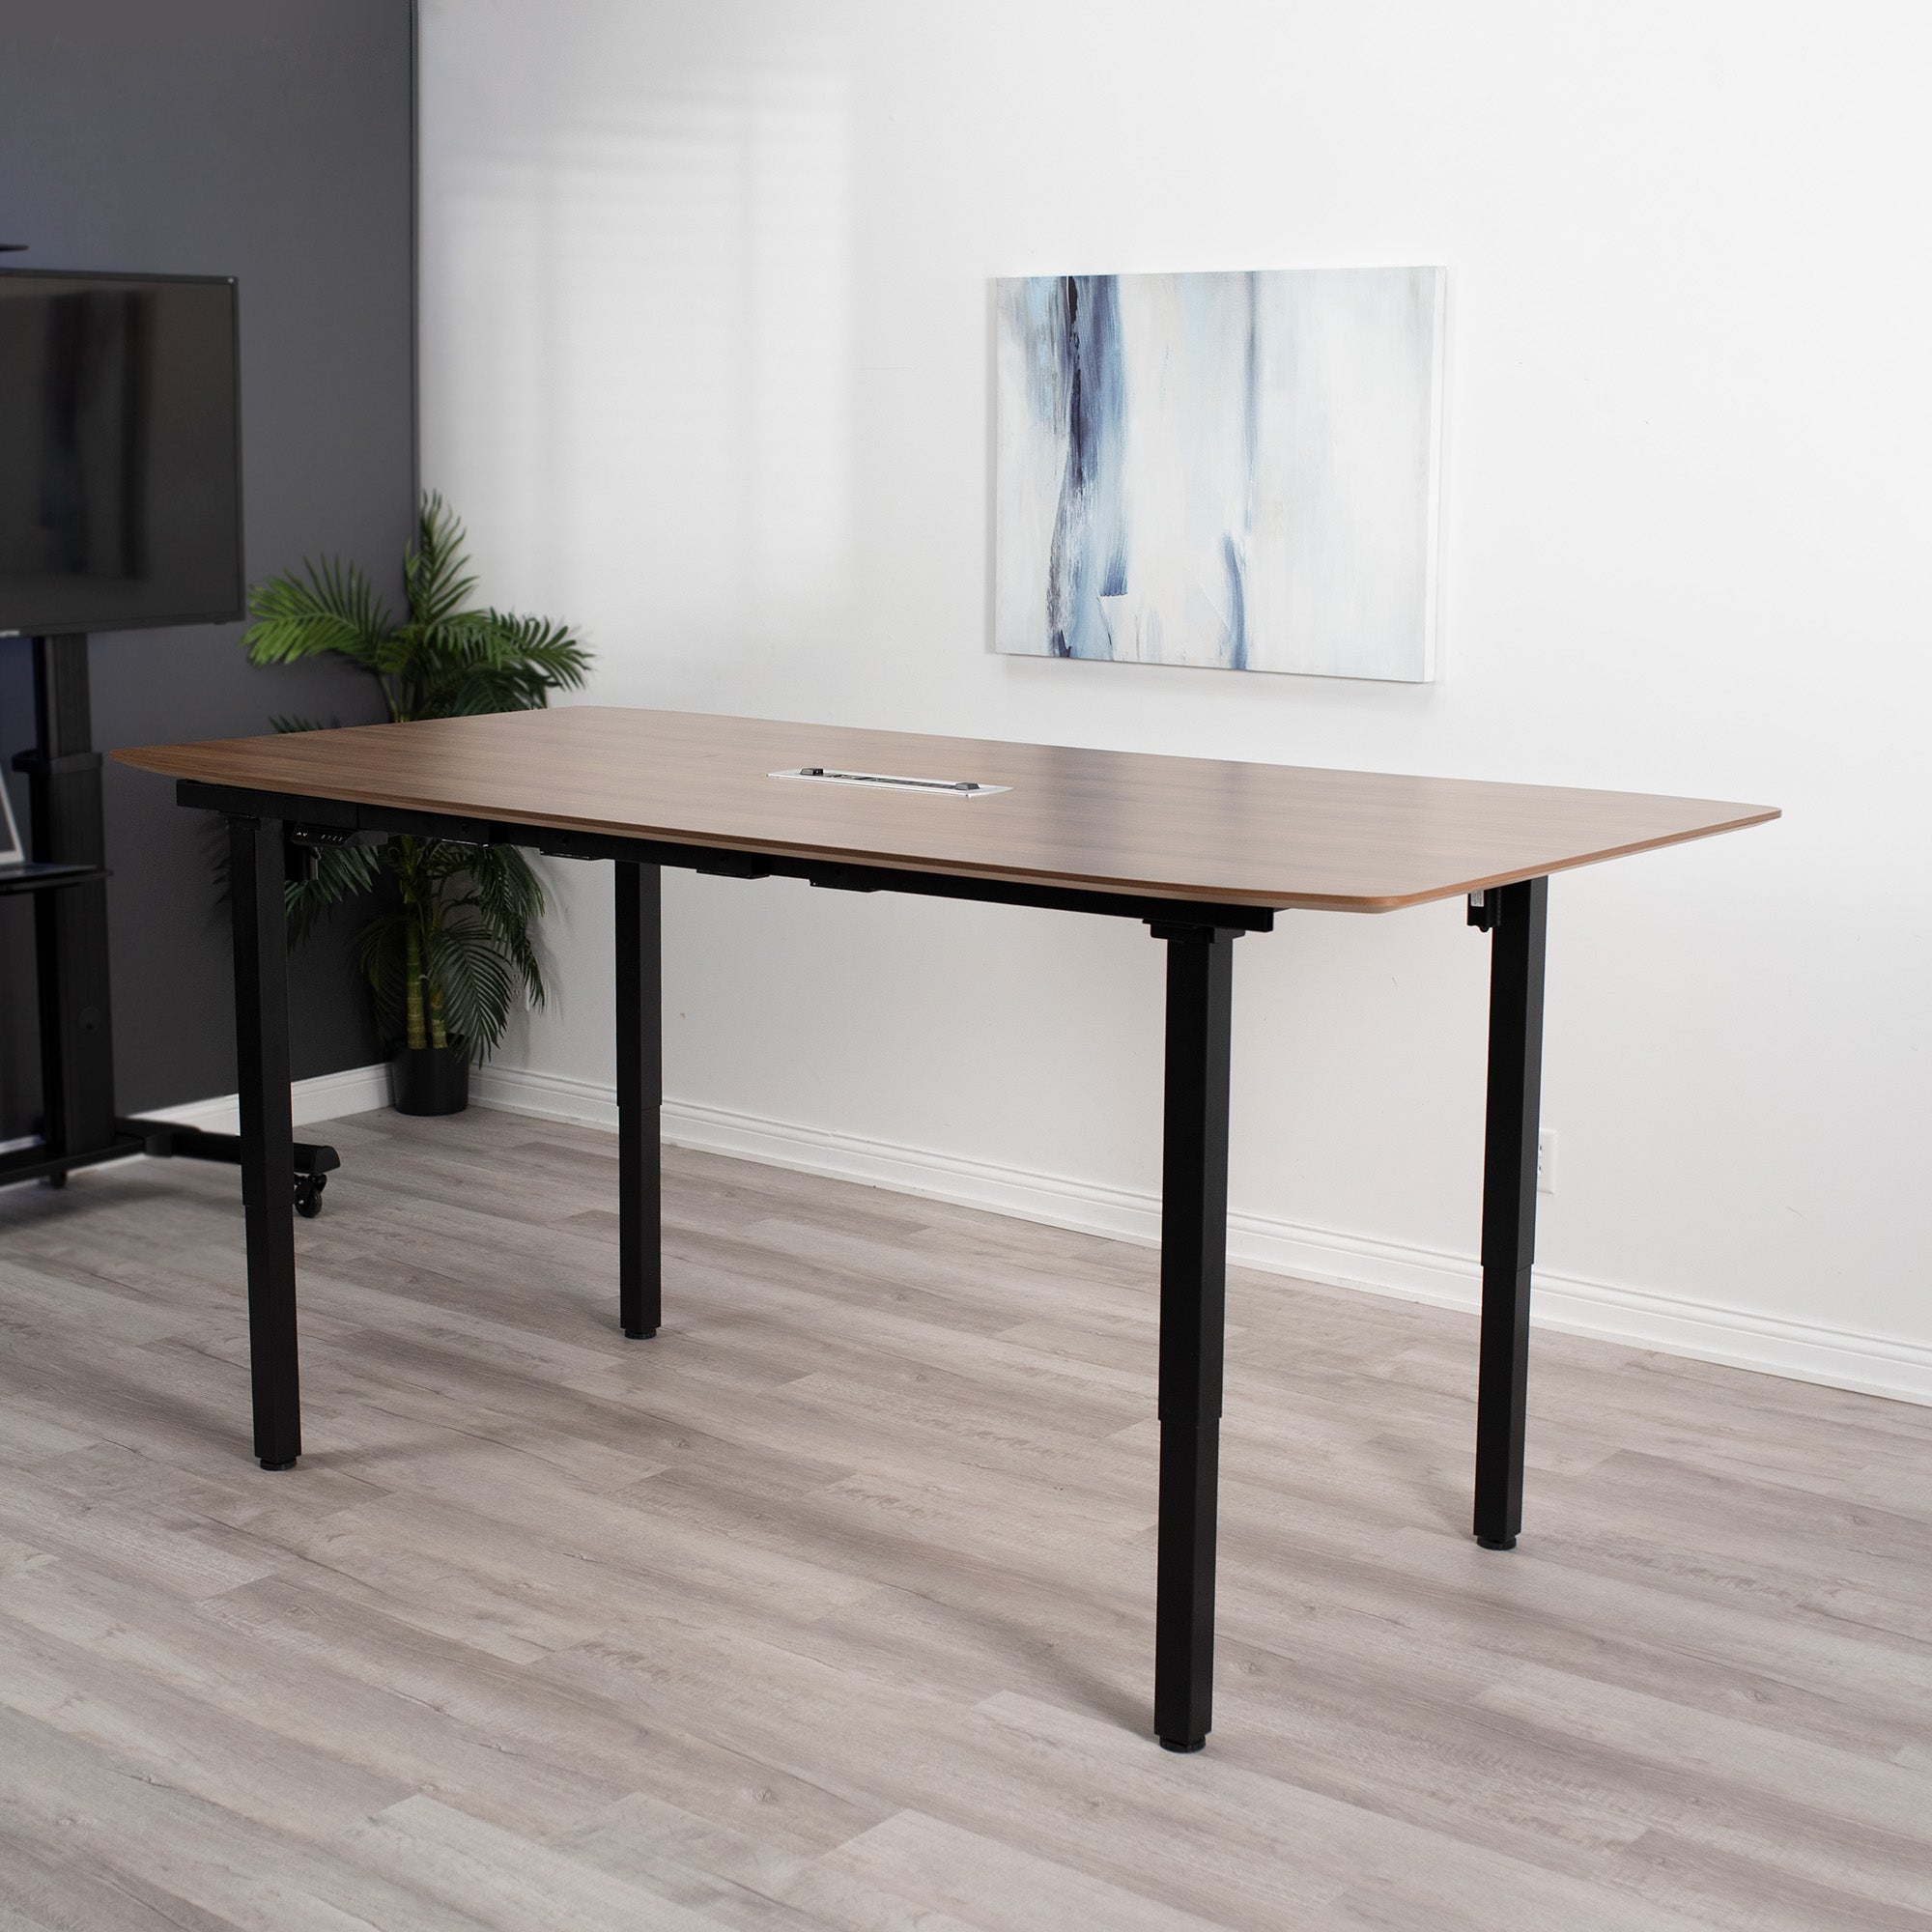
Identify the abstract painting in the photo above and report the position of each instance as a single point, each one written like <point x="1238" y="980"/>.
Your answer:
<point x="1228" y="470"/>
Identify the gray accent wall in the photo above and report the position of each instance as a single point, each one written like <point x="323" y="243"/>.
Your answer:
<point x="271" y="140"/>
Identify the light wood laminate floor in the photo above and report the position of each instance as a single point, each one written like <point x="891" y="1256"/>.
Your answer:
<point x="832" y="1608"/>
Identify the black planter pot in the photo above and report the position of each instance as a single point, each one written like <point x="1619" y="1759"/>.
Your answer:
<point x="430" y="1079"/>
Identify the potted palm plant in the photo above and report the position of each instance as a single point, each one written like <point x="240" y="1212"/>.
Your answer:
<point x="448" y="946"/>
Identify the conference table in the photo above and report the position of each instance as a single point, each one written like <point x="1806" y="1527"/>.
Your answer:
<point x="1202" y="851"/>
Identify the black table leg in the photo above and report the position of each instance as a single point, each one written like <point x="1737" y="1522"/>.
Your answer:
<point x="640" y="1097"/>
<point x="1193" y="1300"/>
<point x="267" y="1132"/>
<point x="1516" y="918"/>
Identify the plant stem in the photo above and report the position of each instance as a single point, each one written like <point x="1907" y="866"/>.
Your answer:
<point x="438" y="1034"/>
<point x="413" y="988"/>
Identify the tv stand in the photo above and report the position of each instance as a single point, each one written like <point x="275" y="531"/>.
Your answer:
<point x="67" y="877"/>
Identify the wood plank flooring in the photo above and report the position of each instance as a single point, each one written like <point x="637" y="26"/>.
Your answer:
<point x="832" y="1606"/>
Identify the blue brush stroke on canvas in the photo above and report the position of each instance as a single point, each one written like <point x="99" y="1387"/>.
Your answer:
<point x="1227" y="470"/>
<point x="1089" y="537"/>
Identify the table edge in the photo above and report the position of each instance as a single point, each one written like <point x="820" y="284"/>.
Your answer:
<point x="1747" y="816"/>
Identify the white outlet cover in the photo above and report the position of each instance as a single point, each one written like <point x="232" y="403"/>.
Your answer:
<point x="1545" y="1161"/>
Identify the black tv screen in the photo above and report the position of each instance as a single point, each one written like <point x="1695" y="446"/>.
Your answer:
<point x="120" y="452"/>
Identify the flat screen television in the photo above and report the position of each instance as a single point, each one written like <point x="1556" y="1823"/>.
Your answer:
<point x="120" y="452"/>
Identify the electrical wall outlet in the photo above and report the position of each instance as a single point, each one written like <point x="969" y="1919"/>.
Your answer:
<point x="1545" y="1161"/>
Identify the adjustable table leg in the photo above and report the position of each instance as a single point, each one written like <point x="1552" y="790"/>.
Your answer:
<point x="640" y="1096"/>
<point x="267" y="1132"/>
<point x="1516" y="917"/>
<point x="1193" y="1297"/>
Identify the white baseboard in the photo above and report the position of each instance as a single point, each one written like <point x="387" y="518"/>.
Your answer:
<point x="549" y="1096"/>
<point x="1637" y="1318"/>
<point x="328" y="1096"/>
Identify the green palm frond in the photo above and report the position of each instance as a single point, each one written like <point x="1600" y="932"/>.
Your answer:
<point x="471" y="908"/>
<point x="495" y="661"/>
<point x="545" y="647"/>
<point x="447" y="660"/>
<point x="379" y="953"/>
<point x="499" y="886"/>
<point x="394" y="661"/>
<point x="510" y="901"/>
<point x="469" y="669"/>
<point x="507" y="885"/>
<point x="341" y="872"/>
<point x="444" y="859"/>
<point x="332" y="606"/>
<point x="451" y="944"/>
<point x="434" y="567"/>
<point x="478" y="982"/>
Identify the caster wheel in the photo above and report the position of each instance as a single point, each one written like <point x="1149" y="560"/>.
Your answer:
<point x="53" y="1181"/>
<point x="309" y="1194"/>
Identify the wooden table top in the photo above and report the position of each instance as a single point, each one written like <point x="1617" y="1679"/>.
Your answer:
<point x="1198" y="829"/>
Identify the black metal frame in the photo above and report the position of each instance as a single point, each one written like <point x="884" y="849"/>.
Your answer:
<point x="327" y="820"/>
<point x="640" y="1098"/>
<point x="1517" y="919"/>
<point x="1194" y="1208"/>
<point x="1193" y="1322"/>
<point x="256" y="869"/>
<point x="67" y="877"/>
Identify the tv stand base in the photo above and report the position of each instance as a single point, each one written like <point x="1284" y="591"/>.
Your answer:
<point x="165" y="1140"/>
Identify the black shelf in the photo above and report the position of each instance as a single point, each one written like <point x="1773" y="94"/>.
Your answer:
<point x="37" y="877"/>
<point x="67" y="875"/>
<point x="40" y="1162"/>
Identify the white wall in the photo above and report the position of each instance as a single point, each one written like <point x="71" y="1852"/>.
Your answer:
<point x="706" y="361"/>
